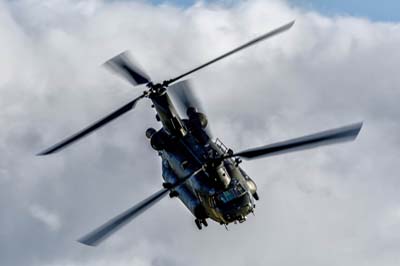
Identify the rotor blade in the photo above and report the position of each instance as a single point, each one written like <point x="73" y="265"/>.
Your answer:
<point x="103" y="232"/>
<point x="346" y="133"/>
<point x="248" y="44"/>
<point x="183" y="92"/>
<point x="64" y="143"/>
<point x="122" y="65"/>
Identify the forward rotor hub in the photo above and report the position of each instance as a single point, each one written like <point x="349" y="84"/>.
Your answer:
<point x="158" y="88"/>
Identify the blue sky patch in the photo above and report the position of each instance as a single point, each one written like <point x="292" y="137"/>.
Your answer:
<point x="385" y="10"/>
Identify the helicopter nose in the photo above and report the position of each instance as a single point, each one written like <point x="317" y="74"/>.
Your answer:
<point x="240" y="211"/>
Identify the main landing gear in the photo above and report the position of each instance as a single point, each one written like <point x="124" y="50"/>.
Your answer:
<point x="200" y="222"/>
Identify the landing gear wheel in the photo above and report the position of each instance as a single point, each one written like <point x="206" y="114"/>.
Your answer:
<point x="204" y="222"/>
<point x="198" y="224"/>
<point x="173" y="194"/>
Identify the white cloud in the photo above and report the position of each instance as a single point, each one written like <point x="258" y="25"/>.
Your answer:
<point x="331" y="206"/>
<point x="45" y="216"/>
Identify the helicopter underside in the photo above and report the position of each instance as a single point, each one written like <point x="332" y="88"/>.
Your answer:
<point x="235" y="211"/>
<point x="230" y="205"/>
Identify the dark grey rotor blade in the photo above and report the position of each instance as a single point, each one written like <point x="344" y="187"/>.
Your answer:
<point x="346" y="133"/>
<point x="248" y="44"/>
<point x="103" y="232"/>
<point x="64" y="143"/>
<point x="184" y="94"/>
<point x="122" y="65"/>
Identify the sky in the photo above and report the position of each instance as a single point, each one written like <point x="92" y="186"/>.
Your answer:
<point x="386" y="10"/>
<point x="332" y="206"/>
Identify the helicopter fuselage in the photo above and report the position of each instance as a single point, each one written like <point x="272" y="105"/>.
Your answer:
<point x="222" y="191"/>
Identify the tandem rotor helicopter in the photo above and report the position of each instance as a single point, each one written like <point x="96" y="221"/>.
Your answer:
<point x="204" y="174"/>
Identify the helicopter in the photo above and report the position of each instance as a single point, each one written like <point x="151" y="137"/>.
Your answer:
<point x="202" y="172"/>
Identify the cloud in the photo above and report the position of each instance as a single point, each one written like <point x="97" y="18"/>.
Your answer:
<point x="45" y="216"/>
<point x="331" y="206"/>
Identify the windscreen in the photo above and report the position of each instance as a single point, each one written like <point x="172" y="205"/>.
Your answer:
<point x="231" y="194"/>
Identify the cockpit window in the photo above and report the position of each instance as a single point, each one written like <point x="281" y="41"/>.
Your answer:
<point x="231" y="194"/>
